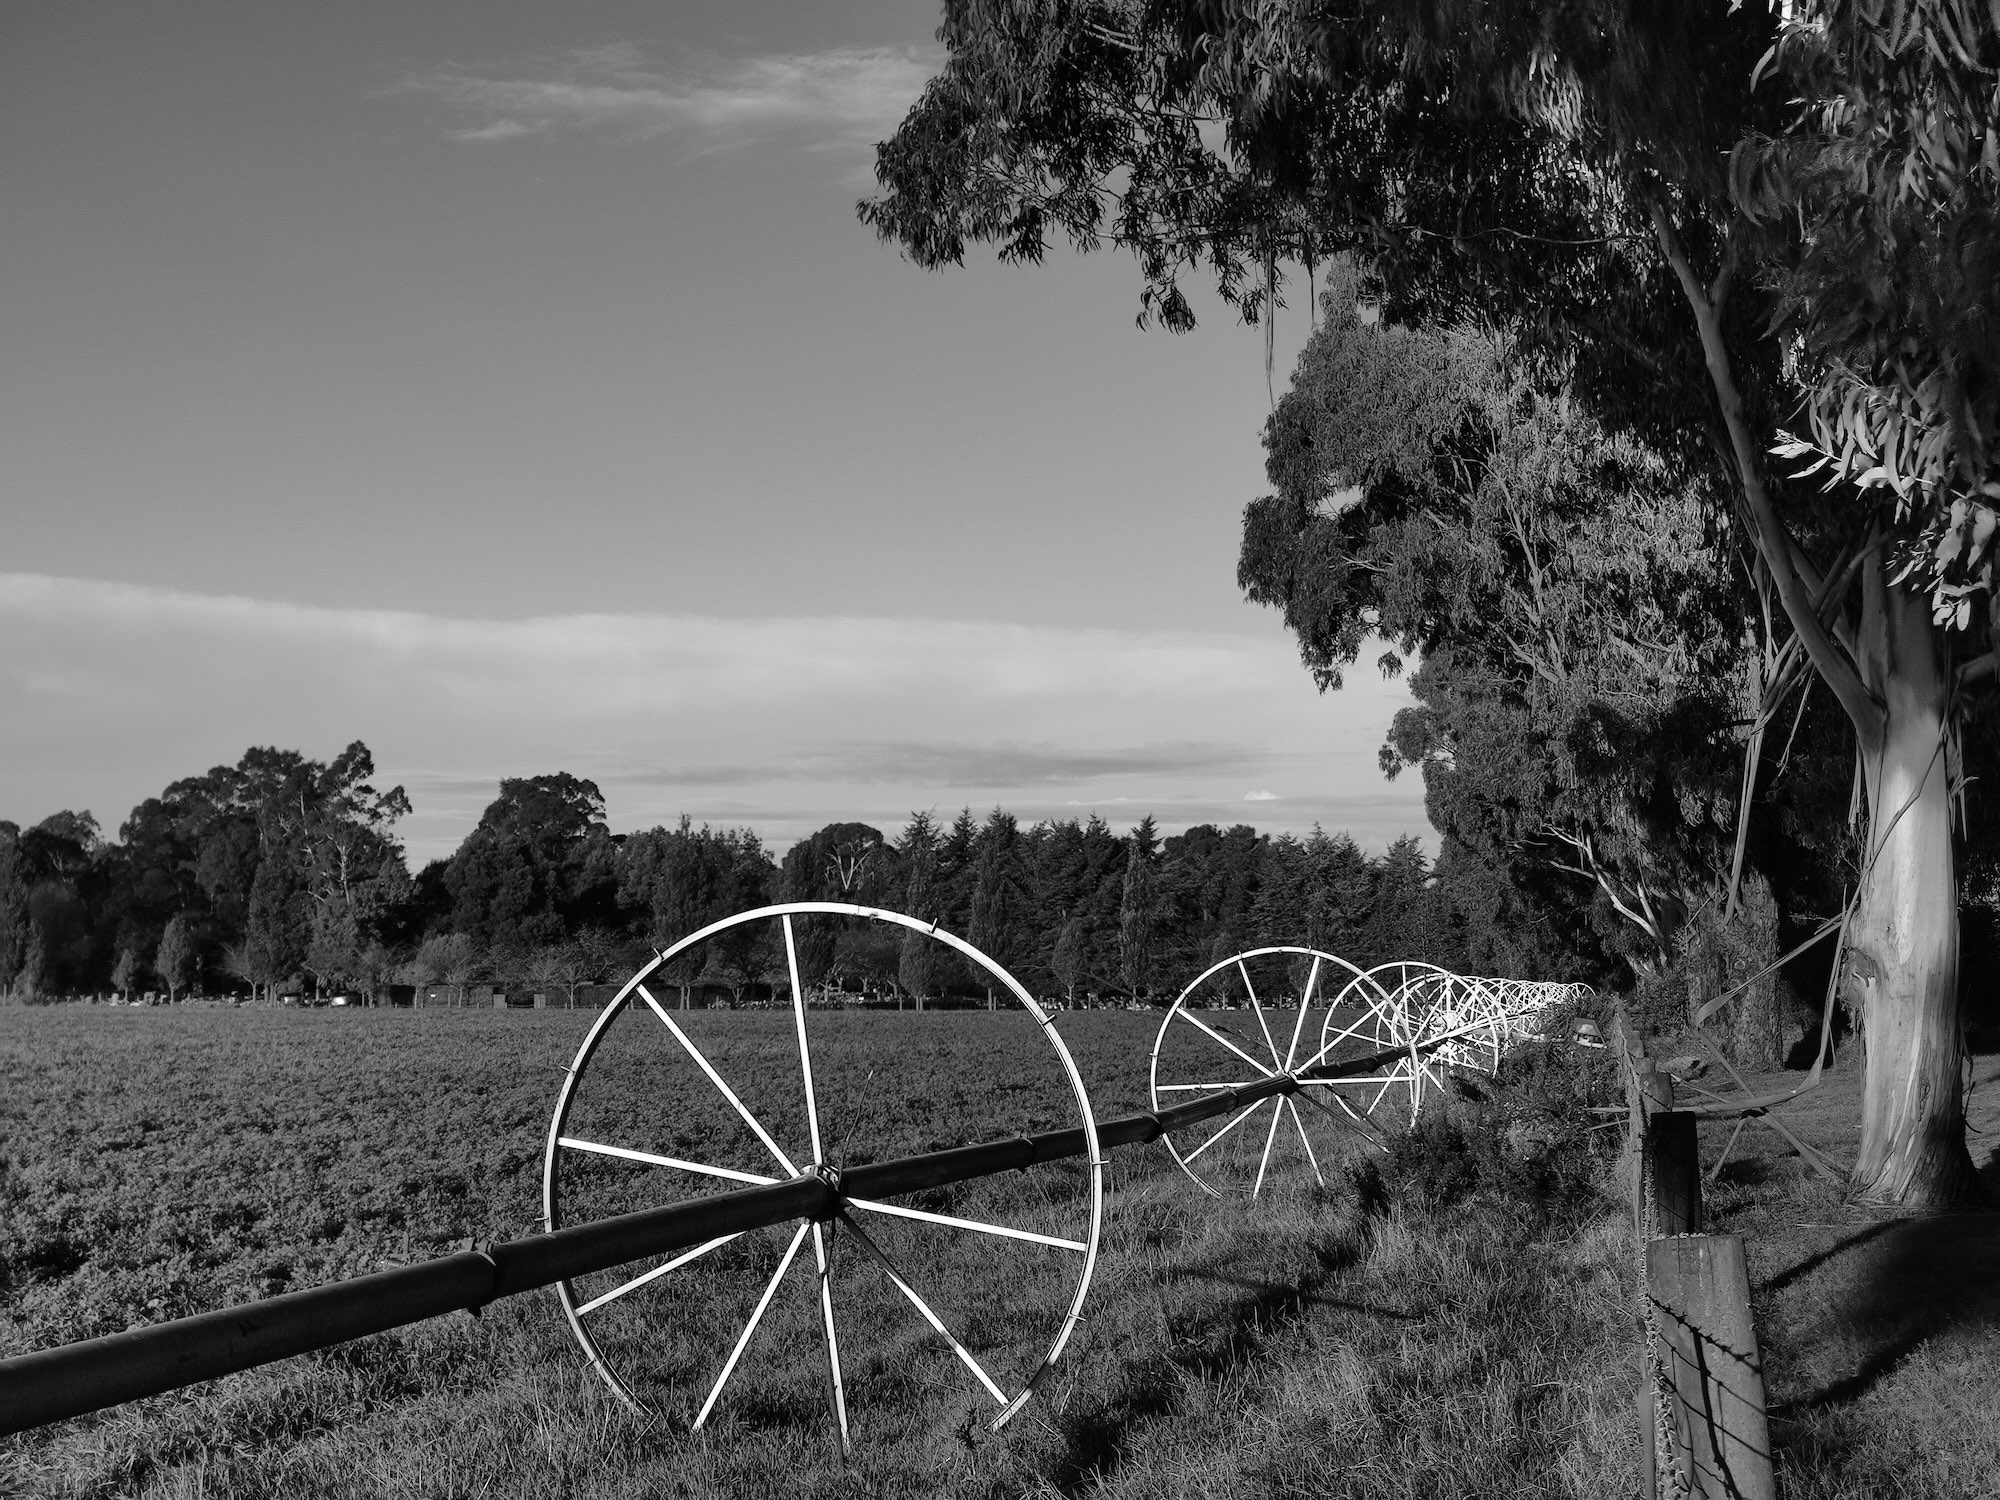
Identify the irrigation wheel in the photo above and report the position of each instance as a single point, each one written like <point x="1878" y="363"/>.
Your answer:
<point x="1246" y="1020"/>
<point x="1391" y="1008"/>
<point x="666" y="1102"/>
<point x="1474" y="1013"/>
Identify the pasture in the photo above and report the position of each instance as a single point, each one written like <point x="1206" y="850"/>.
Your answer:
<point x="1355" y="1339"/>
<point x="161" y="1162"/>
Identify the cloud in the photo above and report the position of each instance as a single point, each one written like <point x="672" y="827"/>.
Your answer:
<point x="1011" y="765"/>
<point x="110" y="691"/>
<point x="499" y="130"/>
<point x="1260" y="796"/>
<point x="847" y="96"/>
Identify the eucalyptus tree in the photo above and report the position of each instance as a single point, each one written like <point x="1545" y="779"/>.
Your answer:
<point x="1876" y="212"/>
<point x="1583" y="659"/>
<point x="1564" y="173"/>
<point x="539" y="863"/>
<point x="840" y="862"/>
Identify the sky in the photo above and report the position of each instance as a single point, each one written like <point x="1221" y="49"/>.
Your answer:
<point x="512" y="387"/>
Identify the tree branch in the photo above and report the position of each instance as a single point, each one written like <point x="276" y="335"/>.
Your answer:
<point x="1781" y="553"/>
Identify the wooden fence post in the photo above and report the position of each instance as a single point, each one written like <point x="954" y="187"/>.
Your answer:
<point x="1673" y="1164"/>
<point x="1649" y="1435"/>
<point x="1699" y="1289"/>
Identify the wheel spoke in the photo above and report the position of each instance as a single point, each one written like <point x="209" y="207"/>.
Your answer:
<point x="1006" y="1231"/>
<point x="1300" y="1126"/>
<point x="756" y="1316"/>
<point x="923" y="1308"/>
<point x="836" y="1395"/>
<point x="1346" y="1033"/>
<point x="1394" y="1079"/>
<point x="716" y="1078"/>
<point x="1373" y="1135"/>
<point x="806" y="1070"/>
<point x="652" y="1159"/>
<point x="1270" y="1140"/>
<point x="1305" y="1005"/>
<point x="1258" y="1010"/>
<point x="1194" y="1020"/>
<point x="657" y="1272"/>
<point x="1241" y="1115"/>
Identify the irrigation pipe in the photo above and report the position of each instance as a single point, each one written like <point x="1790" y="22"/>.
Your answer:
<point x="49" y="1385"/>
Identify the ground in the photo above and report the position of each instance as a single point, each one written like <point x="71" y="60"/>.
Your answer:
<point x="1882" y="1332"/>
<point x="1322" y="1341"/>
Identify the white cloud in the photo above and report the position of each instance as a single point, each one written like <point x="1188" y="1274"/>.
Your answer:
<point x="1260" y="796"/>
<point x="110" y="691"/>
<point x="848" y="96"/>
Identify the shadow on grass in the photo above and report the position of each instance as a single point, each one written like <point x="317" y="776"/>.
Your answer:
<point x="1217" y="1341"/>
<point x="1296" y="1300"/>
<point x="1907" y="1282"/>
<point x="1804" y="1268"/>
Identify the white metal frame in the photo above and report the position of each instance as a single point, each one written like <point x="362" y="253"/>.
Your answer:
<point x="1234" y="1054"/>
<point x="637" y="998"/>
<point x="1446" y="1021"/>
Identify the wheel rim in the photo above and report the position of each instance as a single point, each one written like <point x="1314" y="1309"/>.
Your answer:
<point x="1402" y="995"/>
<point x="816" y="1154"/>
<point x="1190" y="1044"/>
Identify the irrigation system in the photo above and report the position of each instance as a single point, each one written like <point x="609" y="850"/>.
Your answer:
<point x="1363" y="1046"/>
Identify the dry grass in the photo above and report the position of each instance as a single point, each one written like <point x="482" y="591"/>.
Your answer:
<point x="1316" y="1343"/>
<point x="1881" y="1333"/>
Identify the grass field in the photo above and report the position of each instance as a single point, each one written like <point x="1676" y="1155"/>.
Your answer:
<point x="1882" y="1332"/>
<point x="156" y="1162"/>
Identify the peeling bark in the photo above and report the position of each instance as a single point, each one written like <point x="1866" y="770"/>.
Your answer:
<point x="1902" y="943"/>
<point x="1901" y="974"/>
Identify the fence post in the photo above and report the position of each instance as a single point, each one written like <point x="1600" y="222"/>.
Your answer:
<point x="1649" y="1442"/>
<point x="1673" y="1165"/>
<point x="1699" y="1290"/>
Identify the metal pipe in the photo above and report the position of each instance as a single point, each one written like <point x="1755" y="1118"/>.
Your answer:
<point x="49" y="1385"/>
<point x="71" y="1379"/>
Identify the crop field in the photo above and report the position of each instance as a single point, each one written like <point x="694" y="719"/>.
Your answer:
<point x="161" y="1162"/>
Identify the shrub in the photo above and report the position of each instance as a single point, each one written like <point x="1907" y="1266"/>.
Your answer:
<point x="1713" y="957"/>
<point x="1523" y="1143"/>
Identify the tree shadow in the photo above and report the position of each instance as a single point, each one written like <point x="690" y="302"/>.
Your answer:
<point x="1294" y="1299"/>
<point x="1887" y="1290"/>
<point x="1217" y="1342"/>
<point x="1813" y="1262"/>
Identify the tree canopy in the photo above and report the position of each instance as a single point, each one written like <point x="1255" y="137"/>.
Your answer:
<point x="212" y="887"/>
<point x="1604" y="186"/>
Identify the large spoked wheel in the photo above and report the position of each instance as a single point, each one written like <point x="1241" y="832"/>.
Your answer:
<point x="1470" y="1012"/>
<point x="667" y="1101"/>
<point x="1246" y="1020"/>
<point x="1385" y="1014"/>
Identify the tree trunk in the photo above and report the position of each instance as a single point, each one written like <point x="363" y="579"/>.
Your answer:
<point x="1901" y="970"/>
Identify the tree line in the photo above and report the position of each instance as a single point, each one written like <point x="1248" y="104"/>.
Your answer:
<point x="284" y="874"/>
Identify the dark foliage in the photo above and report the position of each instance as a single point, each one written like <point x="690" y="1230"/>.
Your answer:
<point x="1525" y="1145"/>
